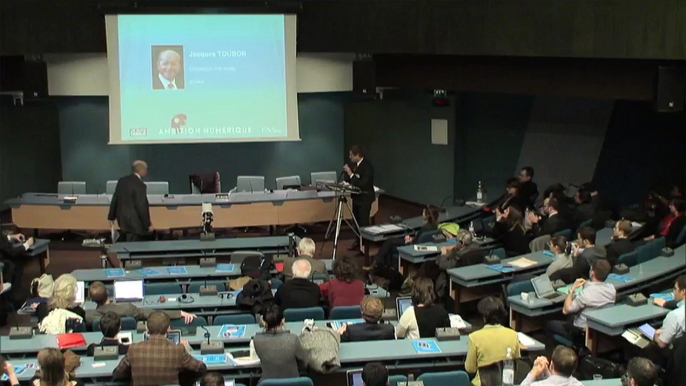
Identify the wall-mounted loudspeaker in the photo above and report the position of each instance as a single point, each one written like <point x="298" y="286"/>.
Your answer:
<point x="670" y="88"/>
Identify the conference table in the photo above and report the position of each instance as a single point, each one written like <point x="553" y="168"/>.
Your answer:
<point x="416" y="254"/>
<point x="353" y="355"/>
<point x="179" y="211"/>
<point x="614" y="320"/>
<point x="657" y="270"/>
<point x="195" y="248"/>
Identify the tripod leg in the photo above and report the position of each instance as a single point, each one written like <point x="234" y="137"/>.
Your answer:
<point x="338" y="228"/>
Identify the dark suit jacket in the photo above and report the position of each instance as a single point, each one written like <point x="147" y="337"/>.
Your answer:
<point x="129" y="205"/>
<point x="618" y="248"/>
<point x="10" y="249"/>
<point x="361" y="332"/>
<point x="298" y="293"/>
<point x="529" y="190"/>
<point x="550" y="225"/>
<point x="363" y="178"/>
<point x="157" y="84"/>
<point x="157" y="362"/>
<point x="674" y="229"/>
<point x="518" y="202"/>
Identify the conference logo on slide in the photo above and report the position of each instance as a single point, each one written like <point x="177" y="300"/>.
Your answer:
<point x="138" y="132"/>
<point x="178" y="122"/>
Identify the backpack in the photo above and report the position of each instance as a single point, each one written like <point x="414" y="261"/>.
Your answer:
<point x="257" y="267"/>
<point x="589" y="366"/>
<point x="255" y="296"/>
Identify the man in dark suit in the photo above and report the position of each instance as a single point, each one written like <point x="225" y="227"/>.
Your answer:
<point x="553" y="223"/>
<point x="360" y="174"/>
<point x="299" y="292"/>
<point x="620" y="243"/>
<point x="528" y="189"/>
<point x="167" y="76"/>
<point x="158" y="361"/>
<point x="129" y="204"/>
<point x="12" y="246"/>
<point x="514" y="197"/>
<point x="373" y="327"/>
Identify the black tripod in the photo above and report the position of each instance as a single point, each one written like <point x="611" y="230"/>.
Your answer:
<point x="339" y="217"/>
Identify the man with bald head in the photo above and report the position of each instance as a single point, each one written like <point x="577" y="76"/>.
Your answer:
<point x="299" y="292"/>
<point x="168" y="68"/>
<point x="129" y="205"/>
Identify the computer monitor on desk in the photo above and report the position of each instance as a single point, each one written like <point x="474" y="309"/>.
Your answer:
<point x="402" y="304"/>
<point x="80" y="292"/>
<point x="354" y="378"/>
<point x="128" y="291"/>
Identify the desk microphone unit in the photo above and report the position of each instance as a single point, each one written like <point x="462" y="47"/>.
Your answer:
<point x="208" y="290"/>
<point x="134" y="264"/>
<point x="447" y="333"/>
<point x="208" y="262"/>
<point x="210" y="347"/>
<point x="106" y="353"/>
<point x="491" y="260"/>
<point x="620" y="269"/>
<point x="21" y="332"/>
<point x="636" y="300"/>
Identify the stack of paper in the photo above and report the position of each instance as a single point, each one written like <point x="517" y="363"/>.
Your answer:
<point x="426" y="248"/>
<point x="525" y="340"/>
<point x="522" y="263"/>
<point x="456" y="321"/>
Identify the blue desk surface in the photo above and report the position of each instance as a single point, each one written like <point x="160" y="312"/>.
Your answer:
<point x="350" y="353"/>
<point x="656" y="270"/>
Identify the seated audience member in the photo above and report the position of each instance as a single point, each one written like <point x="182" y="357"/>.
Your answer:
<point x="424" y="316"/>
<point x="672" y="224"/>
<point x="346" y="289"/>
<point x="63" y="300"/>
<point x="558" y="372"/>
<point x="676" y="371"/>
<point x="306" y="249"/>
<point x="528" y="188"/>
<point x="299" y="292"/>
<point x="552" y="223"/>
<point x="383" y="256"/>
<point x="679" y="295"/>
<point x="110" y="325"/>
<point x="375" y="374"/>
<point x="53" y="369"/>
<point x="158" y="361"/>
<point x="212" y="379"/>
<point x="373" y="327"/>
<point x="596" y="293"/>
<point x="451" y="257"/>
<point x="620" y="244"/>
<point x="12" y="247"/>
<point x="99" y="294"/>
<point x="514" y="198"/>
<point x="277" y="349"/>
<point x="584" y="254"/>
<point x="673" y="327"/>
<point x="489" y="345"/>
<point x="585" y="208"/>
<point x="558" y="246"/>
<point x="509" y="229"/>
<point x="7" y="369"/>
<point x="641" y="372"/>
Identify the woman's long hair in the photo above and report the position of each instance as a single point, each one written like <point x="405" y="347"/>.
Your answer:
<point x="53" y="373"/>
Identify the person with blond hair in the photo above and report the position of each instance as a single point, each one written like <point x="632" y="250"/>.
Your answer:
<point x="52" y="370"/>
<point x="373" y="327"/>
<point x="63" y="298"/>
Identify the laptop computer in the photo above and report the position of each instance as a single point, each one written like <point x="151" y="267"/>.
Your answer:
<point x="402" y="304"/>
<point x="128" y="291"/>
<point x="80" y="292"/>
<point x="544" y="289"/>
<point x="354" y="377"/>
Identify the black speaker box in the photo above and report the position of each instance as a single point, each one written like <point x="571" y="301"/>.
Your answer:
<point x="670" y="88"/>
<point x="35" y="79"/>
<point x="364" y="77"/>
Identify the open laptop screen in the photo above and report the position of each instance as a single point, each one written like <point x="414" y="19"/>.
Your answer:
<point x="80" y="292"/>
<point x="128" y="290"/>
<point x="402" y="304"/>
<point x="542" y="285"/>
<point x="355" y="378"/>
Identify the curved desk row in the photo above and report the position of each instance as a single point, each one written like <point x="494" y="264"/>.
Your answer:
<point x="89" y="211"/>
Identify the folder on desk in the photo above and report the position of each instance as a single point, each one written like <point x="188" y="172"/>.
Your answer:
<point x="500" y="268"/>
<point x="522" y="263"/>
<point x="666" y="297"/>
<point x="115" y="272"/>
<point x="426" y="347"/>
<point x="622" y="278"/>
<point x="228" y="268"/>
<point x="149" y="272"/>
<point x="211" y="359"/>
<point x="177" y="271"/>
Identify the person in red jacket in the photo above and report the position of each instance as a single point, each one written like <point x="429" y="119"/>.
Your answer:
<point x="346" y="289"/>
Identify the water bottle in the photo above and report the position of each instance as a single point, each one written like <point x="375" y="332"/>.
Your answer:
<point x="471" y="228"/>
<point x="480" y="194"/>
<point x="508" y="369"/>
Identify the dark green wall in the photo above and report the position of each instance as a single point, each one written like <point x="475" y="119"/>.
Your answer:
<point x="86" y="156"/>
<point x="397" y="135"/>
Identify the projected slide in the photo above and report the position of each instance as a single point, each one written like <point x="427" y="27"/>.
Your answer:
<point x="201" y="78"/>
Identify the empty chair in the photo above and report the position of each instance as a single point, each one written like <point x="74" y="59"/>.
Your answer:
<point x="518" y="287"/>
<point x="194" y="287"/>
<point x="644" y="254"/>
<point x="323" y="178"/>
<point x="111" y="187"/>
<point x="320" y="279"/>
<point x="393" y="380"/>
<point x="157" y="187"/>
<point x="249" y="184"/>
<point x="351" y="312"/>
<point x="238" y="257"/>
<point x="233" y="319"/>
<point x="657" y="245"/>
<point x="300" y="314"/>
<point x="447" y="378"/>
<point x="205" y="183"/>
<point x="197" y="322"/>
<point x="301" y="381"/>
<point x="500" y="252"/>
<point x="539" y="243"/>
<point x="567" y="233"/>
<point x="163" y="289"/>
<point x="68" y="188"/>
<point x="629" y="259"/>
<point x="290" y="181"/>
<point x="127" y="324"/>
